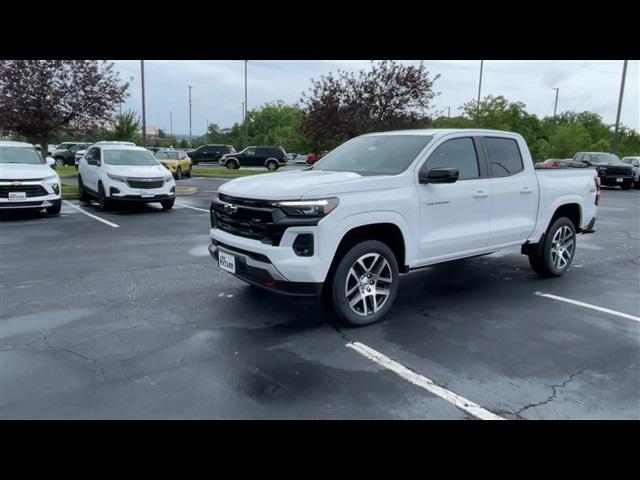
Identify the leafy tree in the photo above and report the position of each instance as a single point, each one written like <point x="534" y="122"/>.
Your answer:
<point x="569" y="139"/>
<point x="277" y="124"/>
<point x="184" y="143"/>
<point x="127" y="128"/>
<point x="387" y="97"/>
<point x="38" y="97"/>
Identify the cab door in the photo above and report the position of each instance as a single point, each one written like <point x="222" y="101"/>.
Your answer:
<point x="250" y="158"/>
<point x="90" y="172"/>
<point x="455" y="218"/>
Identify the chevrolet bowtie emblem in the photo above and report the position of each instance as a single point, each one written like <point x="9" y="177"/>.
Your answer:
<point x="230" y="209"/>
<point x="16" y="184"/>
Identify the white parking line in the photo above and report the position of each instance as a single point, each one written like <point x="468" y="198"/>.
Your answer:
<point x="423" y="382"/>
<point x="193" y="208"/>
<point x="95" y="217"/>
<point x="588" y="305"/>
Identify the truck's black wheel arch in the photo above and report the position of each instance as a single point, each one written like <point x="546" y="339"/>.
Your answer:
<point x="387" y="233"/>
<point x="570" y="210"/>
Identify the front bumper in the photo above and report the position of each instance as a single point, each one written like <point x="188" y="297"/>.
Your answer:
<point x="258" y="270"/>
<point x="40" y="201"/>
<point x="121" y="191"/>
<point x="613" y="180"/>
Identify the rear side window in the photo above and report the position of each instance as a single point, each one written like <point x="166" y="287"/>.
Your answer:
<point x="504" y="156"/>
<point x="459" y="153"/>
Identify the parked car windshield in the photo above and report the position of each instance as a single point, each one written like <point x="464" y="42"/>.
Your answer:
<point x="169" y="155"/>
<point x="129" y="157"/>
<point x="374" y="154"/>
<point x="604" y="158"/>
<point x="20" y="155"/>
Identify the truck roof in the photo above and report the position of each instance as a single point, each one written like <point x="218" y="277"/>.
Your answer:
<point x="444" y="131"/>
<point x="10" y="143"/>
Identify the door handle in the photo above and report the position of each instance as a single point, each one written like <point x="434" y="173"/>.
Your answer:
<point x="525" y="190"/>
<point x="480" y="194"/>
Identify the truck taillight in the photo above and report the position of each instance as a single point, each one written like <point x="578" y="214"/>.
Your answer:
<point x="597" y="180"/>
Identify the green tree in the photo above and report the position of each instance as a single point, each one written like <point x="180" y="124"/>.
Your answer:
<point x="126" y="128"/>
<point x="277" y="124"/>
<point x="569" y="139"/>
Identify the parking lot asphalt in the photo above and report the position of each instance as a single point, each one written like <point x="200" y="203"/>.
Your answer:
<point x="123" y="314"/>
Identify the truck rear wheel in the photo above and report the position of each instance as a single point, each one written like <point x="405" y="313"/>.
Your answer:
<point x="365" y="283"/>
<point x="556" y="254"/>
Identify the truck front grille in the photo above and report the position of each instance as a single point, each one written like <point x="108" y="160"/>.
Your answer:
<point x="249" y="218"/>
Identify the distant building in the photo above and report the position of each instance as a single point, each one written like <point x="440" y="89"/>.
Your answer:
<point x="153" y="134"/>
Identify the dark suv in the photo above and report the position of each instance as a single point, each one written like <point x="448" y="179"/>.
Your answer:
<point x="209" y="153"/>
<point x="65" y="153"/>
<point x="611" y="170"/>
<point x="270" y="157"/>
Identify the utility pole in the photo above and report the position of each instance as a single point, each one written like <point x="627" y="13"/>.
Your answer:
<point x="555" y="108"/>
<point x="244" y="117"/>
<point x="207" y="129"/>
<point x="190" y="87"/>
<point x="144" y="114"/>
<point x="171" y="124"/>
<point x="614" y="144"/>
<point x="448" y="112"/>
<point x="480" y="86"/>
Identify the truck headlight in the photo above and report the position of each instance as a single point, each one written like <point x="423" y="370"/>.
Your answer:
<point x="116" y="178"/>
<point x="308" y="208"/>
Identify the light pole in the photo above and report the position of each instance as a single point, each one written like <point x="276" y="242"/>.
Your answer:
<point x="480" y="86"/>
<point x="244" y="116"/>
<point x="555" y="107"/>
<point x="171" y="124"/>
<point x="614" y="144"/>
<point x="144" y="114"/>
<point x="190" y="87"/>
<point x="448" y="112"/>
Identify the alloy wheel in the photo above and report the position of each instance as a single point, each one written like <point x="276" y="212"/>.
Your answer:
<point x="368" y="283"/>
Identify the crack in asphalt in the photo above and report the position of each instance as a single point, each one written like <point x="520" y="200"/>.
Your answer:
<point x="550" y="398"/>
<point x="93" y="361"/>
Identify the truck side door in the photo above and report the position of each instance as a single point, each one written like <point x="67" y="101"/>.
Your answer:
<point x="455" y="217"/>
<point x="515" y="191"/>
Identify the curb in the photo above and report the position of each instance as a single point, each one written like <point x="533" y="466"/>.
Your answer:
<point x="185" y="191"/>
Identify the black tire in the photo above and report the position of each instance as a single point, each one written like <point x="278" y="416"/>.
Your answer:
<point x="544" y="261"/>
<point x="82" y="193"/>
<point x="179" y="174"/>
<point x="59" y="161"/>
<point x="103" y="200"/>
<point x="189" y="172"/>
<point x="343" y="281"/>
<point x="272" y="165"/>
<point x="232" y="164"/>
<point x="637" y="185"/>
<point x="168" y="204"/>
<point x="54" y="209"/>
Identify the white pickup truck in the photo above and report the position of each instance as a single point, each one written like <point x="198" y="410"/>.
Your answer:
<point x="384" y="204"/>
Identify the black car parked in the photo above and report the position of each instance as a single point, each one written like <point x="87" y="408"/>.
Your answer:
<point x="261" y="156"/>
<point x="65" y="153"/>
<point x="209" y="153"/>
<point x="611" y="170"/>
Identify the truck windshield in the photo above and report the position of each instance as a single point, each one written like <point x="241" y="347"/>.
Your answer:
<point x="375" y="154"/>
<point x="129" y="157"/>
<point x="20" y="155"/>
<point x="604" y="158"/>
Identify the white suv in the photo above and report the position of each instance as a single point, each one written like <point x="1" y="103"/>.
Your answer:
<point x="111" y="173"/>
<point x="26" y="181"/>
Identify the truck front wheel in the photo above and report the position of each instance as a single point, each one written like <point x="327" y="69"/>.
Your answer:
<point x="556" y="254"/>
<point x="365" y="283"/>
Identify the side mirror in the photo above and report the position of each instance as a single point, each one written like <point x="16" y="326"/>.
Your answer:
<point x="439" y="175"/>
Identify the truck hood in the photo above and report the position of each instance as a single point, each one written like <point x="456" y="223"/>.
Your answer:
<point x="299" y="184"/>
<point x="24" y="171"/>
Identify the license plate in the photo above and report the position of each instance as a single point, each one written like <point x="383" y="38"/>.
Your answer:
<point x="146" y="194"/>
<point x="226" y="261"/>
<point x="17" y="195"/>
<point x="619" y="180"/>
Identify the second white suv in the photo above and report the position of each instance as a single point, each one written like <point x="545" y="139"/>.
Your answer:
<point x="118" y="173"/>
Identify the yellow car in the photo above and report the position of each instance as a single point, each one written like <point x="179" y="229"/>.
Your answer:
<point x="177" y="162"/>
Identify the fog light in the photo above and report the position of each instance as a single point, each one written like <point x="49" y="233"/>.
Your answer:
<point x="56" y="188"/>
<point x="113" y="191"/>
<point x="303" y="245"/>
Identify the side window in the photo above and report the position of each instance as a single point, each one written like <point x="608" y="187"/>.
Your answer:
<point x="251" y="152"/>
<point x="580" y="157"/>
<point x="162" y="155"/>
<point x="504" y="156"/>
<point x="459" y="153"/>
<point x="93" y="155"/>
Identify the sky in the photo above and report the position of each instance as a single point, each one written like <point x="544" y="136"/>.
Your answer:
<point x="218" y="87"/>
